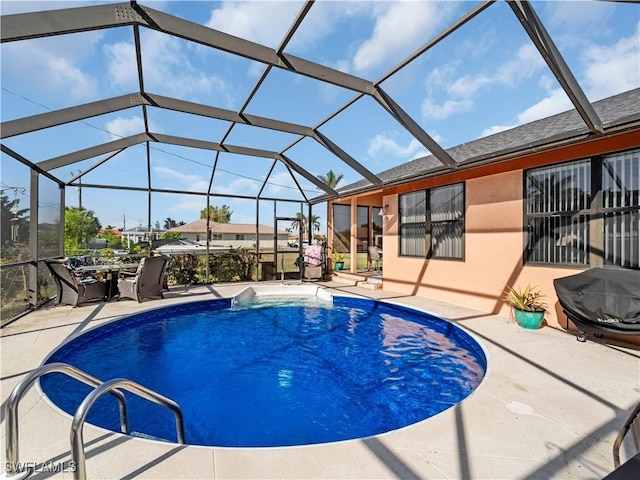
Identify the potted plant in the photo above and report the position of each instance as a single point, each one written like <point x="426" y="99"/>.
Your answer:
<point x="338" y="260"/>
<point x="528" y="305"/>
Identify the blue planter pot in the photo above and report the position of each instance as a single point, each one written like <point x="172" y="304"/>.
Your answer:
<point x="338" y="266"/>
<point x="529" y="320"/>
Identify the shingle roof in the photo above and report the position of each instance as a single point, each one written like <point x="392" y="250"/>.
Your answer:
<point x="616" y="112"/>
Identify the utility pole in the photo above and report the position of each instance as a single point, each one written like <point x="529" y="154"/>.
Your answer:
<point x="124" y="228"/>
<point x="79" y="188"/>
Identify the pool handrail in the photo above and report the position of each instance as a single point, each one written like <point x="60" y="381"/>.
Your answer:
<point x="11" y="407"/>
<point x="635" y="415"/>
<point x="77" y="441"/>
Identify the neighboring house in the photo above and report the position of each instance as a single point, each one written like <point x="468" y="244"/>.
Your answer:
<point x="132" y="236"/>
<point x="524" y="206"/>
<point x="235" y="235"/>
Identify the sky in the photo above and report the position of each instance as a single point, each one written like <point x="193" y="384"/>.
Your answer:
<point x="485" y="78"/>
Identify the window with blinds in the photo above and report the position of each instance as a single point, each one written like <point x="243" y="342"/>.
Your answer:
<point x="413" y="224"/>
<point x="433" y="218"/>
<point x="566" y="204"/>
<point x="621" y="205"/>
<point x="447" y="221"/>
<point x="557" y="223"/>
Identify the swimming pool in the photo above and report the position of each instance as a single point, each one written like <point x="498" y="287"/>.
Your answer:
<point x="275" y="372"/>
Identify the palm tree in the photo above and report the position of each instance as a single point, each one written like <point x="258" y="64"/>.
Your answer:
<point x="331" y="179"/>
<point x="302" y="219"/>
<point x="169" y="223"/>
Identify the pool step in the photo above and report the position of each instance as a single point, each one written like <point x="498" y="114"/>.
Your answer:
<point x="369" y="280"/>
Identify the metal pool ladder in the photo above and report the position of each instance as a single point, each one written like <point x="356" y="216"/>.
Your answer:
<point x="77" y="443"/>
<point x="628" y="425"/>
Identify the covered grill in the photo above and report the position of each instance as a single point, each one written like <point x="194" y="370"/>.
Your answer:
<point x="601" y="300"/>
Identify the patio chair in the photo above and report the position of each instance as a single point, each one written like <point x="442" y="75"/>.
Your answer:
<point x="146" y="282"/>
<point x="375" y="256"/>
<point x="313" y="261"/>
<point x="74" y="289"/>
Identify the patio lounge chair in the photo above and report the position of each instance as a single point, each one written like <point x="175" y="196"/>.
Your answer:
<point x="146" y="282"/>
<point x="74" y="289"/>
<point x="313" y="261"/>
<point x="375" y="256"/>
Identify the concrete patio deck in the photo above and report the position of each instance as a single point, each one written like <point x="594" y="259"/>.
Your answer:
<point x="549" y="407"/>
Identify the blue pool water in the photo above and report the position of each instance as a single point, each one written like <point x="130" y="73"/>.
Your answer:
<point x="275" y="374"/>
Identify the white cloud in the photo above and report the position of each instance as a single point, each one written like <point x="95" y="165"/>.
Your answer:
<point x="458" y="92"/>
<point x="121" y="127"/>
<point x="468" y="85"/>
<point x="555" y="102"/>
<point x="280" y="182"/>
<point x="609" y="70"/>
<point x="525" y="64"/>
<point x="572" y="17"/>
<point x="381" y="144"/>
<point x="261" y="22"/>
<point x="167" y="67"/>
<point x="190" y="183"/>
<point x="63" y="61"/>
<point x="401" y="25"/>
<point x="121" y="65"/>
<point x="433" y="111"/>
<point x="240" y="185"/>
<point x="615" y="69"/>
<point x="124" y="127"/>
<point x="189" y="206"/>
<point x="495" y="129"/>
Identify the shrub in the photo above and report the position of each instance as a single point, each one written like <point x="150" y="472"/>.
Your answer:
<point x="183" y="270"/>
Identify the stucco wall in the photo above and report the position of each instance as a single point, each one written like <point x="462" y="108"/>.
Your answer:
<point x="494" y="245"/>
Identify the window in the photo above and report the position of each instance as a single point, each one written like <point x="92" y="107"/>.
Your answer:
<point x="585" y="212"/>
<point x="557" y="223"/>
<point x="447" y="221"/>
<point x="363" y="228"/>
<point x="341" y="228"/>
<point x="376" y="226"/>
<point x="239" y="236"/>
<point x="413" y="224"/>
<point x="433" y="219"/>
<point x="621" y="205"/>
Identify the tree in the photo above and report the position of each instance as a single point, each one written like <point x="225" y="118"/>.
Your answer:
<point x="331" y="178"/>
<point x="169" y="223"/>
<point x="315" y="220"/>
<point x="14" y="226"/>
<point x="217" y="214"/>
<point x="80" y="226"/>
<point x="113" y="241"/>
<point x="170" y="235"/>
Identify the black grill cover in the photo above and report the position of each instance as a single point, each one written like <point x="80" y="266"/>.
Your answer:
<point x="602" y="299"/>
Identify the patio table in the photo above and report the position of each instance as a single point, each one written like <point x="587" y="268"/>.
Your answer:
<point x="108" y="272"/>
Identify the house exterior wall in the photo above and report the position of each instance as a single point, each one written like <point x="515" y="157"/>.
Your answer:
<point x="229" y="239"/>
<point x="494" y="245"/>
<point x="494" y="240"/>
